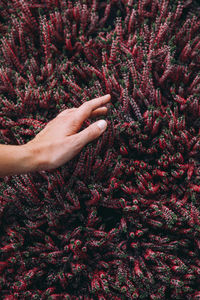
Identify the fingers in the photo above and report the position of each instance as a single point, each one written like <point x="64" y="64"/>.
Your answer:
<point x="88" y="109"/>
<point x="66" y="111"/>
<point x="73" y="118"/>
<point x="91" y="132"/>
<point x="84" y="111"/>
<point x="99" y="111"/>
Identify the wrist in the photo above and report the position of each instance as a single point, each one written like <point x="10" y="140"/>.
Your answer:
<point x="30" y="163"/>
<point x="16" y="160"/>
<point x="31" y="157"/>
<point x="36" y="160"/>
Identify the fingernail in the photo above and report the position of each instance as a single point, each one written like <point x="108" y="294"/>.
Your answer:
<point x="102" y="124"/>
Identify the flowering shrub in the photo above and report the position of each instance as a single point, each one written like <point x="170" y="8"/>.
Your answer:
<point x="122" y="219"/>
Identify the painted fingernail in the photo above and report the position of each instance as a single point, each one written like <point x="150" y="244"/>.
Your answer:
<point x="102" y="124"/>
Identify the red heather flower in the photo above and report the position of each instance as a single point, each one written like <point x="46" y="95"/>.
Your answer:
<point x="122" y="218"/>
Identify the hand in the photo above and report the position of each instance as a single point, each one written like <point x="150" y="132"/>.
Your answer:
<point x="59" y="141"/>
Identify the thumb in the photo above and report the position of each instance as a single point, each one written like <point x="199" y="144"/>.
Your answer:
<point x="91" y="132"/>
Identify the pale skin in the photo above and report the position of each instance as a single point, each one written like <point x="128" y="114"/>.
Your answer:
<point x="57" y="143"/>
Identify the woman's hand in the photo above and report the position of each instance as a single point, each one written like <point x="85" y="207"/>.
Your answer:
<point x="59" y="141"/>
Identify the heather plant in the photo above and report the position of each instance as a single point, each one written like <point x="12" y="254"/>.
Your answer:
<point x="122" y="219"/>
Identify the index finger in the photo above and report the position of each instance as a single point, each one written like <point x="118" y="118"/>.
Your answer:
<point x="85" y="110"/>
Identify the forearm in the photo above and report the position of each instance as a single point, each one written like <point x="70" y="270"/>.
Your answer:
<point x="15" y="160"/>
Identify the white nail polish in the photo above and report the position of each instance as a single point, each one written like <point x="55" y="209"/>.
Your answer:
<point x="102" y="124"/>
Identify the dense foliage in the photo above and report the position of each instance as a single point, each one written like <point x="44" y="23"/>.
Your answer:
<point x="122" y="219"/>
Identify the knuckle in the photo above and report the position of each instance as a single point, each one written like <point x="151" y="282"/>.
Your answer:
<point x="85" y="104"/>
<point x="75" y="123"/>
<point x="78" y="143"/>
